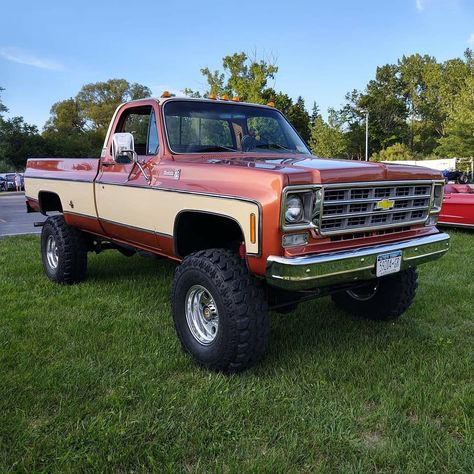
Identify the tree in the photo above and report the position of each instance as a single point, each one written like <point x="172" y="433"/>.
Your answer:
<point x="328" y="139"/>
<point x="408" y="102"/>
<point x="3" y="108"/>
<point x="396" y="152"/>
<point x="19" y="141"/>
<point x="98" y="101"/>
<point x="459" y="139"/>
<point x="314" y="114"/>
<point x="300" y="118"/>
<point x="66" y="117"/>
<point x="248" y="79"/>
<point x="242" y="76"/>
<point x="77" y="126"/>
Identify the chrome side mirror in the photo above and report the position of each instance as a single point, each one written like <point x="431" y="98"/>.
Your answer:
<point x="123" y="153"/>
<point x="123" y="148"/>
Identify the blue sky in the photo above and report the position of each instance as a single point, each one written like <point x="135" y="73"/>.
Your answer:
<point x="49" y="49"/>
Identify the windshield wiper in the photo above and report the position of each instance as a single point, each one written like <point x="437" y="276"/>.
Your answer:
<point x="216" y="148"/>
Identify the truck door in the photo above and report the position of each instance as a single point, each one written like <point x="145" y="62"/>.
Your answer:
<point x="121" y="190"/>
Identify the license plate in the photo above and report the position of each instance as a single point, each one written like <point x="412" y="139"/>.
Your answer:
<point x="388" y="263"/>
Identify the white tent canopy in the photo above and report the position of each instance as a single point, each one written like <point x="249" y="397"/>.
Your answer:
<point x="439" y="165"/>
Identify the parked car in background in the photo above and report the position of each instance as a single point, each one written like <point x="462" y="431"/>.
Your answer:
<point x="9" y="181"/>
<point x="3" y="184"/>
<point x="458" y="206"/>
<point x="10" y="178"/>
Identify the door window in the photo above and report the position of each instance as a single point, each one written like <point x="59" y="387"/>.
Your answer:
<point x="141" y="123"/>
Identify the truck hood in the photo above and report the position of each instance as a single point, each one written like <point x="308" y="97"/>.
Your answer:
<point x="311" y="169"/>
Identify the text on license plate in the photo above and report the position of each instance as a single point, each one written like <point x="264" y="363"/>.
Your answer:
<point x="388" y="263"/>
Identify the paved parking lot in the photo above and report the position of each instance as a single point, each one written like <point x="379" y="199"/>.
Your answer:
<point x="13" y="217"/>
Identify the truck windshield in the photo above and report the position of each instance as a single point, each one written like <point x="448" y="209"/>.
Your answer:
<point x="209" y="127"/>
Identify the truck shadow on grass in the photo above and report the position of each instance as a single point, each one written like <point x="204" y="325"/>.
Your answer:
<point x="316" y="331"/>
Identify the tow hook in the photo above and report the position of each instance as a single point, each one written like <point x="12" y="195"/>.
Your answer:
<point x="38" y="224"/>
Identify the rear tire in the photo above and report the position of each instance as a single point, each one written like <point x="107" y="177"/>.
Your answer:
<point x="382" y="299"/>
<point x="219" y="311"/>
<point x="63" y="251"/>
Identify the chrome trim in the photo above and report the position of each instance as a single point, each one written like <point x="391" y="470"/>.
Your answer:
<point x="202" y="315"/>
<point x="52" y="253"/>
<point x="362" y="184"/>
<point x="348" y="266"/>
<point x="388" y="211"/>
<point x="361" y="201"/>
<point x="429" y="209"/>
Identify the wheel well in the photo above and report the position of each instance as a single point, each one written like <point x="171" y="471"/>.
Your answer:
<point x="49" y="202"/>
<point x="196" y="230"/>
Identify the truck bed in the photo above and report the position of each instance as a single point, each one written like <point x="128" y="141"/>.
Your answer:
<point x="72" y="179"/>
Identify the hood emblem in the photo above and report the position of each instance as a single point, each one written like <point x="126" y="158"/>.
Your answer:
<point x="385" y="204"/>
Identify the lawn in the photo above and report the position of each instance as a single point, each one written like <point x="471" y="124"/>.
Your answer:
<point x="92" y="378"/>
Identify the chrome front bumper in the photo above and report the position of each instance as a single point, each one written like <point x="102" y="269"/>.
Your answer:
<point x="314" y="271"/>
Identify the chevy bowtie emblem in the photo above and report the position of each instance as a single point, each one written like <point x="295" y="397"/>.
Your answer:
<point x="385" y="204"/>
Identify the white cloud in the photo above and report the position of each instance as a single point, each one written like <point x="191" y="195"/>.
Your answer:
<point x="422" y="5"/>
<point x="21" y="57"/>
<point x="470" y="40"/>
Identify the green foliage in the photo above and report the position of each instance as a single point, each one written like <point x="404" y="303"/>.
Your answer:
<point x="243" y="77"/>
<point x="97" y="101"/>
<point x="300" y="119"/>
<point x="74" y="145"/>
<point x="459" y="139"/>
<point x="3" y="108"/>
<point x="396" y="152"/>
<point x="66" y="117"/>
<point x="408" y="102"/>
<point x="77" y="126"/>
<point x="19" y="141"/>
<point x="248" y="79"/>
<point x="327" y="138"/>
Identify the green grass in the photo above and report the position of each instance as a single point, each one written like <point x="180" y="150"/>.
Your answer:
<point x="92" y="378"/>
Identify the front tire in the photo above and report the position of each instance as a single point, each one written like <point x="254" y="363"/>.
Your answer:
<point x="63" y="251"/>
<point x="219" y="311"/>
<point x="382" y="299"/>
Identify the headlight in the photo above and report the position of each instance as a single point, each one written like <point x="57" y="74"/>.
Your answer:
<point x="301" y="206"/>
<point x="293" y="209"/>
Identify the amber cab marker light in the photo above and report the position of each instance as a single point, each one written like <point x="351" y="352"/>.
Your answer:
<point x="165" y="94"/>
<point x="235" y="98"/>
<point x="253" y="233"/>
<point x="212" y="96"/>
<point x="271" y="104"/>
<point x="224" y="97"/>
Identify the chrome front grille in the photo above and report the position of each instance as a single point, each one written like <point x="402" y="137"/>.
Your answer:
<point x="356" y="207"/>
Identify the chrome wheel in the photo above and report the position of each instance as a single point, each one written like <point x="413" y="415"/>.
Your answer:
<point x="52" y="252"/>
<point x="364" y="293"/>
<point x="202" y="316"/>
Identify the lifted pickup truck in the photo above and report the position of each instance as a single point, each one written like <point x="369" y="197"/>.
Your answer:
<point x="231" y="192"/>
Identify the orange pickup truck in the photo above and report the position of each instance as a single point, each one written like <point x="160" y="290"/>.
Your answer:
<point x="232" y="193"/>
